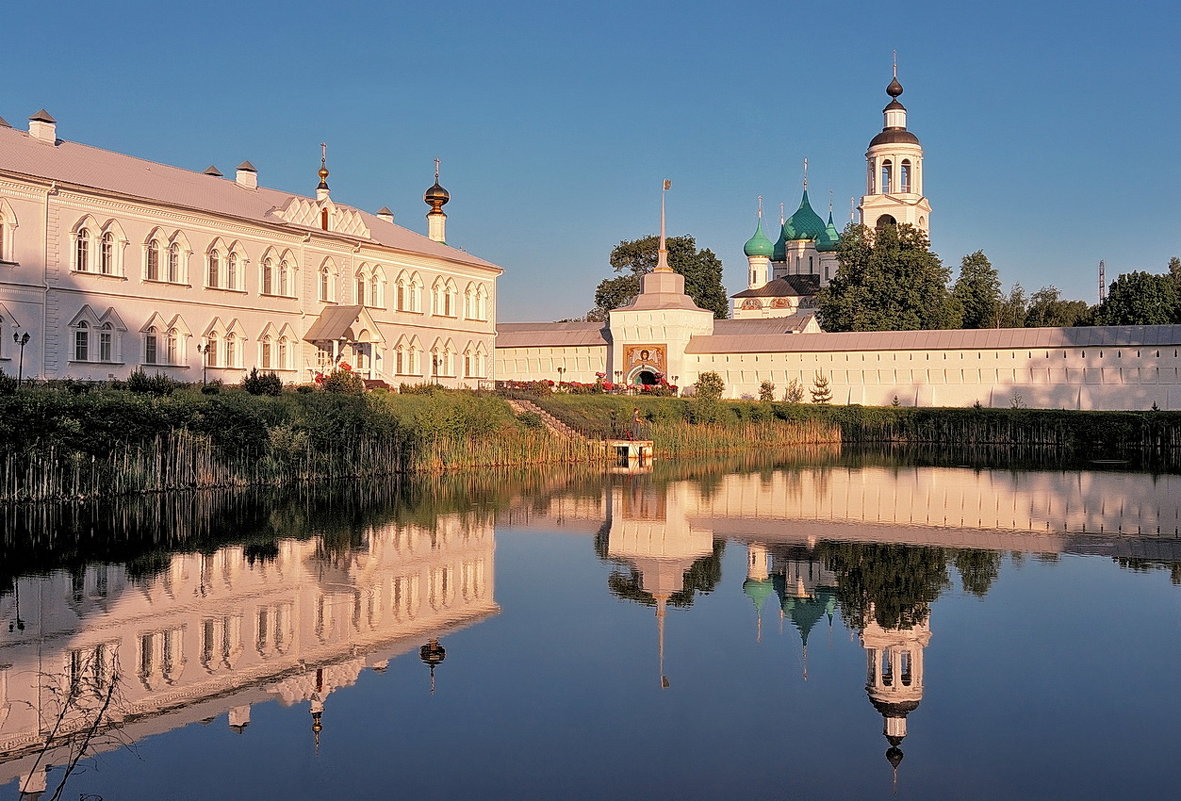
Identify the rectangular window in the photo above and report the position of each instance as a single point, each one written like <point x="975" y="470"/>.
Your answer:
<point x="150" y="349"/>
<point x="81" y="346"/>
<point x="104" y="346"/>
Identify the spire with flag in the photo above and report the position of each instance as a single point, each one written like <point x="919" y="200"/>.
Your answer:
<point x="662" y="255"/>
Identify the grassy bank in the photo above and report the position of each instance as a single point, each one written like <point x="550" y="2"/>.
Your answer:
<point x="74" y="442"/>
<point x="685" y="425"/>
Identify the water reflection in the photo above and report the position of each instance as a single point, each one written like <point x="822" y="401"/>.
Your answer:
<point x="137" y="619"/>
<point x="101" y="654"/>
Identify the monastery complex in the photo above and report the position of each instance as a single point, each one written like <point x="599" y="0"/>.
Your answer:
<point x="110" y="263"/>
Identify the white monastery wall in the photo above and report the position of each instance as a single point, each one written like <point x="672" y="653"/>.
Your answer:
<point x="1072" y="378"/>
<point x="578" y="363"/>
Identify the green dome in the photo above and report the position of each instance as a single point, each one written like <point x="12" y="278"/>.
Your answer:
<point x="759" y="244"/>
<point x="829" y="239"/>
<point x="780" y="253"/>
<point x="758" y="591"/>
<point x="804" y="224"/>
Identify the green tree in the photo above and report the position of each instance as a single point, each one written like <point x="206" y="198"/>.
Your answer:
<point x="635" y="258"/>
<point x="709" y="386"/>
<point x="767" y="391"/>
<point x="887" y="280"/>
<point x="821" y="393"/>
<point x="794" y="392"/>
<point x="1012" y="311"/>
<point x="978" y="289"/>
<point x="1175" y="269"/>
<point x="1141" y="298"/>
<point x="1047" y="308"/>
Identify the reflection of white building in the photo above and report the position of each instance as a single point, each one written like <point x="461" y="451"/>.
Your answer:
<point x="215" y="633"/>
<point x="113" y="263"/>
<point x="648" y="530"/>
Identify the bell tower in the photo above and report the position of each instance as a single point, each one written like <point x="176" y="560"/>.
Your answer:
<point x="894" y="164"/>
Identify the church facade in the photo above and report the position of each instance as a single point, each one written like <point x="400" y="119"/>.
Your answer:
<point x="774" y="336"/>
<point x="110" y="263"/>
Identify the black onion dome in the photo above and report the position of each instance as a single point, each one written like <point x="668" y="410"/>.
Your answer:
<point x="892" y="136"/>
<point x="895" y="88"/>
<point x="894" y="756"/>
<point x="894" y="709"/>
<point x="436" y="196"/>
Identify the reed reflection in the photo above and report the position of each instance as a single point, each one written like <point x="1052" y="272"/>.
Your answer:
<point x="106" y="653"/>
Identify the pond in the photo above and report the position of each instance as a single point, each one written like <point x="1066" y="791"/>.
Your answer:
<point x="828" y="625"/>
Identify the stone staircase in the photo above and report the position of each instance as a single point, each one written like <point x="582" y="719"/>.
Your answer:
<point x="552" y="424"/>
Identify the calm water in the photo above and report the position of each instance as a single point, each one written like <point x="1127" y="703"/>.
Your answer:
<point x="838" y="627"/>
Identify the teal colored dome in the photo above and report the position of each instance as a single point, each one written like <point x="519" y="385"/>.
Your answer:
<point x="759" y="244"/>
<point x="829" y="239"/>
<point x="804" y="224"/>
<point x="758" y="591"/>
<point x="780" y="252"/>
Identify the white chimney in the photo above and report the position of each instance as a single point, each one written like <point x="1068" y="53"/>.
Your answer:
<point x="247" y="176"/>
<point x="43" y="127"/>
<point x="384" y="213"/>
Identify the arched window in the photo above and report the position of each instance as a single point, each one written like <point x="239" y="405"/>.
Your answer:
<point x="266" y="353"/>
<point x="3" y="239"/>
<point x="152" y="267"/>
<point x="375" y="294"/>
<point x="174" y="263"/>
<point x="327" y="285"/>
<point x="232" y="270"/>
<point x="284" y="354"/>
<point x="214" y="268"/>
<point x="887" y="176"/>
<point x="151" y="346"/>
<point x="400" y="299"/>
<point x="904" y="175"/>
<point x="82" y="251"/>
<point x="231" y="350"/>
<point x="211" y="350"/>
<point x="415" y="294"/>
<point x="268" y="275"/>
<point x="172" y="349"/>
<point x="82" y="341"/>
<point x="106" y="253"/>
<point x="362" y="289"/>
<point x="106" y="343"/>
<point x="284" y="279"/>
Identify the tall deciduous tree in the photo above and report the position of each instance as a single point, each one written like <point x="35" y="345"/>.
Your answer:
<point x="633" y="259"/>
<point x="1048" y="309"/>
<point x="1013" y="308"/>
<point x="1141" y="298"/>
<point x="978" y="289"/>
<point x="887" y="280"/>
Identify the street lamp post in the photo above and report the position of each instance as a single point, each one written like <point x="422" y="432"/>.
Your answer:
<point x="434" y="368"/>
<point x="22" y="340"/>
<point x="202" y="349"/>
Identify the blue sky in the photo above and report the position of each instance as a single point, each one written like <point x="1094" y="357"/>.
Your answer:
<point x="1049" y="127"/>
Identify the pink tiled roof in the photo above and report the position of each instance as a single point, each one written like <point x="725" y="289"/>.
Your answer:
<point x="94" y="168"/>
<point x="550" y="335"/>
<point x="1129" y="336"/>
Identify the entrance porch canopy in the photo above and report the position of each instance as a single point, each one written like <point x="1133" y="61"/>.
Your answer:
<point x="351" y="324"/>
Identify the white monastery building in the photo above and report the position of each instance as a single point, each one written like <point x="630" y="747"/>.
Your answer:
<point x="112" y="263"/>
<point x="774" y="335"/>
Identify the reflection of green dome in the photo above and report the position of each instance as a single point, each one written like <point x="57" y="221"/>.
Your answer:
<point x="829" y="239"/>
<point x="759" y="244"/>
<point x="804" y="224"/>
<point x="758" y="591"/>
<point x="805" y="613"/>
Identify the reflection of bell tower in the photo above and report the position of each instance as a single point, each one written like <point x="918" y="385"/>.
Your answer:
<point x="894" y="677"/>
